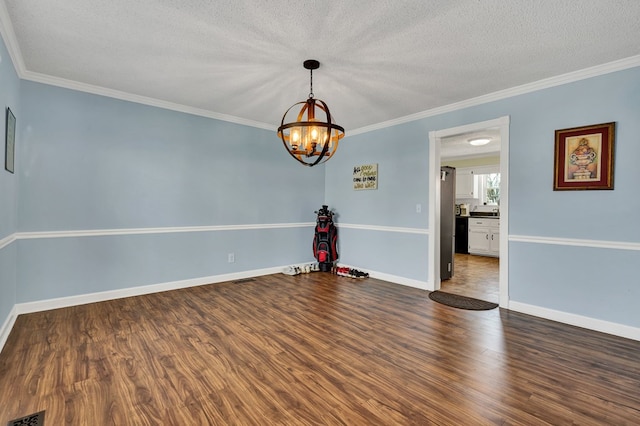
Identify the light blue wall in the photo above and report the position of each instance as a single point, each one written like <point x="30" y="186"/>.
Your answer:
<point x="592" y="282"/>
<point x="61" y="267"/>
<point x="403" y="182"/>
<point x="600" y="215"/>
<point x="92" y="162"/>
<point x="535" y="210"/>
<point x="9" y="97"/>
<point x="86" y="162"/>
<point x="96" y="163"/>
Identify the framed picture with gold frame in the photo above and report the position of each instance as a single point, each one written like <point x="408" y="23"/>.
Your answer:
<point x="584" y="157"/>
<point x="10" y="141"/>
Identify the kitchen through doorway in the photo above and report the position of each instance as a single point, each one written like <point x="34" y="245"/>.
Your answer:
<point x="479" y="153"/>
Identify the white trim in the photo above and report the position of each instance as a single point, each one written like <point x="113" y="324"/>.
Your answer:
<point x="615" y="329"/>
<point x="5" y="330"/>
<point x="619" y="65"/>
<point x="7" y="240"/>
<point x="144" y="100"/>
<point x="503" y="278"/>
<point x="64" y="302"/>
<point x="420" y="231"/>
<point x="213" y="228"/>
<point x="8" y="34"/>
<point x="409" y="282"/>
<point x="395" y="279"/>
<point x="167" y="230"/>
<point x="9" y="37"/>
<point x="481" y="170"/>
<point x="433" y="276"/>
<point x="616" y="245"/>
<point x="435" y="141"/>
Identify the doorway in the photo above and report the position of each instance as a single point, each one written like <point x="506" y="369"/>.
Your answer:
<point x="435" y="150"/>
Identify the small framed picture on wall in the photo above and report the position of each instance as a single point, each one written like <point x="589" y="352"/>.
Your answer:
<point x="584" y="157"/>
<point x="10" y="141"/>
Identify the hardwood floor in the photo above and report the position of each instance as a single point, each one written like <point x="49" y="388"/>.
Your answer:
<point x="474" y="276"/>
<point x="314" y="349"/>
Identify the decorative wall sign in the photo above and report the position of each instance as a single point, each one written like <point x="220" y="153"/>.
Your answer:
<point x="365" y="177"/>
<point x="10" y="141"/>
<point x="584" y="157"/>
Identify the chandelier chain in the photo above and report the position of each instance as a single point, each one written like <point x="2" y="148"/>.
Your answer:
<point x="311" y="84"/>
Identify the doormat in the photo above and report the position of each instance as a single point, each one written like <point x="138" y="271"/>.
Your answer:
<point x="36" y="419"/>
<point x="461" y="302"/>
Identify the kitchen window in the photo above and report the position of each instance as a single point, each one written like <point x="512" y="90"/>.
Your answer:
<point x="489" y="189"/>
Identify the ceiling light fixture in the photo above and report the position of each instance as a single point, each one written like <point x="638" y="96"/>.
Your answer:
<point x="479" y="141"/>
<point x="310" y="139"/>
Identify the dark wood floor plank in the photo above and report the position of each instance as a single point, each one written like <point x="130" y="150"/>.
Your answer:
<point x="307" y="350"/>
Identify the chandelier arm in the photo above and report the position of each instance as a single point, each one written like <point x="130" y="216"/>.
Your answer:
<point x="304" y="109"/>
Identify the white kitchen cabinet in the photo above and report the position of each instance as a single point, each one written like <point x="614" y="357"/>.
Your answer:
<point x="484" y="237"/>
<point x="466" y="184"/>
<point x="494" y="240"/>
<point x="478" y="239"/>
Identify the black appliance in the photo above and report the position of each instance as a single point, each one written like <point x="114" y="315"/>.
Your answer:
<point x="462" y="235"/>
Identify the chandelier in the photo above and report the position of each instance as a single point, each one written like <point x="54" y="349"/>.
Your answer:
<point x="312" y="138"/>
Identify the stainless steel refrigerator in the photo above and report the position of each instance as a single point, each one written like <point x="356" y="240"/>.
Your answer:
<point x="447" y="220"/>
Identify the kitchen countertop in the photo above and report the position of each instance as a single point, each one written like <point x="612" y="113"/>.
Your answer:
<point x="478" y="217"/>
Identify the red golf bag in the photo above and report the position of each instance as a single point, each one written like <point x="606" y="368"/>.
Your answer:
<point x="325" y="240"/>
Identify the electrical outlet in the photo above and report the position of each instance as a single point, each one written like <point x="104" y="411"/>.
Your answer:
<point x="231" y="257"/>
<point x="418" y="208"/>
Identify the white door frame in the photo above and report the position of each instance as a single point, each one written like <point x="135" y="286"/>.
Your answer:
<point x="435" y="141"/>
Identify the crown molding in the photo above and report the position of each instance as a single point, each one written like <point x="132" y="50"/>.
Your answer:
<point x="8" y="34"/>
<point x="9" y="37"/>
<point x="546" y="83"/>
<point x="124" y="96"/>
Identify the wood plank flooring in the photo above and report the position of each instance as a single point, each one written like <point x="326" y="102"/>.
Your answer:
<point x="474" y="276"/>
<point x="313" y="349"/>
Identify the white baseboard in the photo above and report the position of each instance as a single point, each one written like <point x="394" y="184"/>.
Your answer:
<point x="615" y="329"/>
<point x="409" y="282"/>
<point x="63" y="302"/>
<point x="422" y="285"/>
<point x="7" y="326"/>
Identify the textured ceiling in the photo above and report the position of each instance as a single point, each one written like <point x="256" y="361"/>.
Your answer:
<point x="380" y="60"/>
<point x="457" y="147"/>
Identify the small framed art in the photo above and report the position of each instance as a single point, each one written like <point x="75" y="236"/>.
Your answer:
<point x="584" y="157"/>
<point x="10" y="141"/>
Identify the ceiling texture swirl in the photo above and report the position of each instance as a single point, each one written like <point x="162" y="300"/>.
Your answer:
<point x="381" y="61"/>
